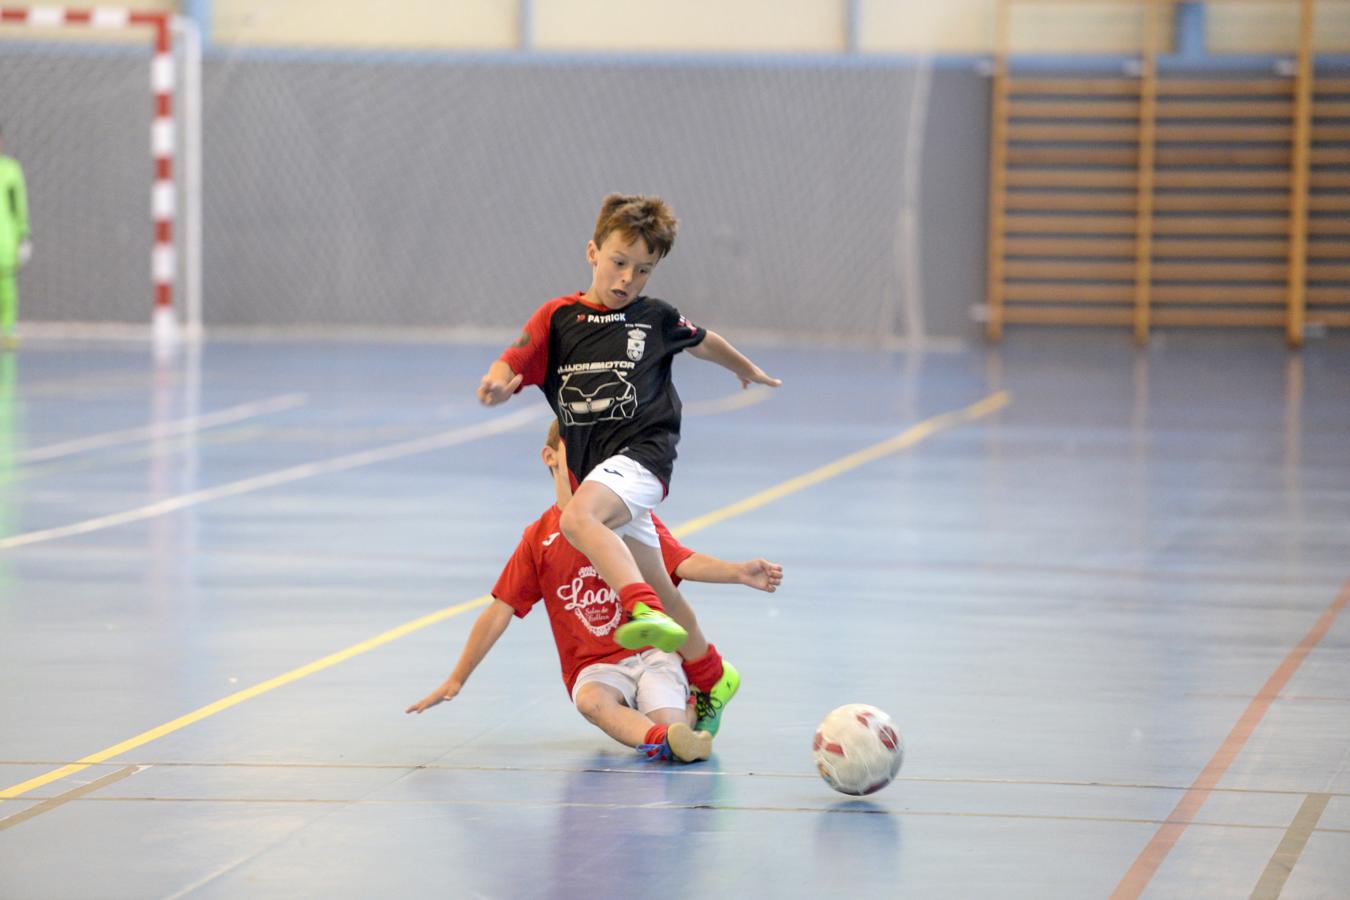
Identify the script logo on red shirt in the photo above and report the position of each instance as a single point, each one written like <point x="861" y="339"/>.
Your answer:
<point x="596" y="607"/>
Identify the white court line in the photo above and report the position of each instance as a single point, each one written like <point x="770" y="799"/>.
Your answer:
<point x="163" y="429"/>
<point x="285" y="476"/>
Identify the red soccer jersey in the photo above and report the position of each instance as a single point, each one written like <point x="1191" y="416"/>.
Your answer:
<point x="582" y="609"/>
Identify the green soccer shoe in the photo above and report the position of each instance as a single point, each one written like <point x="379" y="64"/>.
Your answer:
<point x="649" y="628"/>
<point x="709" y="706"/>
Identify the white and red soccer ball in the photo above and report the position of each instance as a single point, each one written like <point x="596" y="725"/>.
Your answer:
<point x="858" y="749"/>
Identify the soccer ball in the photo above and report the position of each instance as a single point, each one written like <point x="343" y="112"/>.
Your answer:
<point x="858" y="749"/>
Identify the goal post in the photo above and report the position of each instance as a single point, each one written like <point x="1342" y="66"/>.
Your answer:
<point x="173" y="149"/>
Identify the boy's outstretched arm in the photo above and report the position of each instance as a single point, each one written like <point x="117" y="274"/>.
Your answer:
<point x="756" y="573"/>
<point x="715" y="348"/>
<point x="486" y="629"/>
<point x="498" y="384"/>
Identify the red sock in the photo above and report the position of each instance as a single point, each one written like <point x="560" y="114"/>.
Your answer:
<point x="656" y="734"/>
<point x="705" y="671"/>
<point x="639" y="592"/>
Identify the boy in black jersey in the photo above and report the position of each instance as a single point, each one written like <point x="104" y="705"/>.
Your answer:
<point x="603" y="357"/>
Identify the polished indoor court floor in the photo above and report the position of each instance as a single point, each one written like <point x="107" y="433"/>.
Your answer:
<point x="1100" y="590"/>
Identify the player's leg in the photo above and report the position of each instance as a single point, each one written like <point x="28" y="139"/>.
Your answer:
<point x="662" y="690"/>
<point x="619" y="494"/>
<point x="606" y="695"/>
<point x="714" y="680"/>
<point x="674" y="738"/>
<point x="588" y="523"/>
<point x="9" y="303"/>
<point x="650" y="625"/>
<point x="603" y="706"/>
<point x="670" y="715"/>
<point x="652" y="567"/>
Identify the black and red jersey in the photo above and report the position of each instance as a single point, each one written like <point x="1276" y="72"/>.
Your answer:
<point x="606" y="373"/>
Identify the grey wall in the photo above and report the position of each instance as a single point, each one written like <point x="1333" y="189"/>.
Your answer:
<point x="459" y="192"/>
<point x="955" y="201"/>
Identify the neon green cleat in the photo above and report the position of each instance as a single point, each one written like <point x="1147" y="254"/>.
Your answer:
<point x="709" y="706"/>
<point x="649" y="628"/>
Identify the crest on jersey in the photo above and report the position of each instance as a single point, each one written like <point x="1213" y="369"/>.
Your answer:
<point x="637" y="344"/>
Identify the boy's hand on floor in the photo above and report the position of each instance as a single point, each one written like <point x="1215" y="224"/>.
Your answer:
<point x="446" y="691"/>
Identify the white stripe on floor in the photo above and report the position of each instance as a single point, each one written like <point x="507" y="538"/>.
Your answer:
<point x="163" y="429"/>
<point x="510" y="422"/>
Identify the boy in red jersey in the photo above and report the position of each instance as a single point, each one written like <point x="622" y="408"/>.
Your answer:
<point x="602" y="358"/>
<point x="636" y="697"/>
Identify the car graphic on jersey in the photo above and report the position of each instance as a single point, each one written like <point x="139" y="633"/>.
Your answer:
<point x="587" y="397"/>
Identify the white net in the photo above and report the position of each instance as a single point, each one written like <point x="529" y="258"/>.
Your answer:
<point x="456" y="192"/>
<point x="77" y="117"/>
<point x="76" y="113"/>
<point x="461" y="194"/>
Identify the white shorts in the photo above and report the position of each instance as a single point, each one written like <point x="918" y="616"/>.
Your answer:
<point x="652" y="679"/>
<point x="639" y="490"/>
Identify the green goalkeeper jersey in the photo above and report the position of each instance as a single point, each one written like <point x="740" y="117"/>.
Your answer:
<point x="13" y="209"/>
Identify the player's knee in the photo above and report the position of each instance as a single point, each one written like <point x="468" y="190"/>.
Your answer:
<point x="573" y="523"/>
<point x="589" y="703"/>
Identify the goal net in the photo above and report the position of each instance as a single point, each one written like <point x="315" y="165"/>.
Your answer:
<point x="348" y="189"/>
<point x="93" y="109"/>
<point x="452" y="192"/>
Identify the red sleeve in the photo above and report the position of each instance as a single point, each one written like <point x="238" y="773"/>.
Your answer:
<point x="518" y="585"/>
<point x="672" y="551"/>
<point x="528" y="356"/>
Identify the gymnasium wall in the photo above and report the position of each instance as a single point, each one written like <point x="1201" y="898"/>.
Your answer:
<point x="414" y="170"/>
<point x="754" y="26"/>
<point x="805" y="26"/>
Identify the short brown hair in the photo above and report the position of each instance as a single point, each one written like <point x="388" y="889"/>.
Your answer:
<point x="635" y="216"/>
<point x="553" y="439"/>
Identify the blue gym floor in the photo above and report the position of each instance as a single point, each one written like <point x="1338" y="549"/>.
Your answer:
<point x="1100" y="590"/>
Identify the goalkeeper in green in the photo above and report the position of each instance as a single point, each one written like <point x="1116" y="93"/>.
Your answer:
<point x="15" y="247"/>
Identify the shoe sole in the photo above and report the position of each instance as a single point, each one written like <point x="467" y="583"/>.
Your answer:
<point x="688" y="745"/>
<point x="636" y="635"/>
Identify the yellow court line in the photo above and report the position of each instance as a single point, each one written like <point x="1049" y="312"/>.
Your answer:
<point x="247" y="694"/>
<point x="907" y="438"/>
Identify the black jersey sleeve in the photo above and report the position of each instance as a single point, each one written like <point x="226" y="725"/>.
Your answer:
<point x="678" y="332"/>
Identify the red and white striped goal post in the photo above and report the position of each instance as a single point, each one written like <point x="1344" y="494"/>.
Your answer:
<point x="162" y="192"/>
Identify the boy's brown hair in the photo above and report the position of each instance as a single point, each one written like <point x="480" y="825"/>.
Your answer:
<point x="636" y="216"/>
<point x="553" y="439"/>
